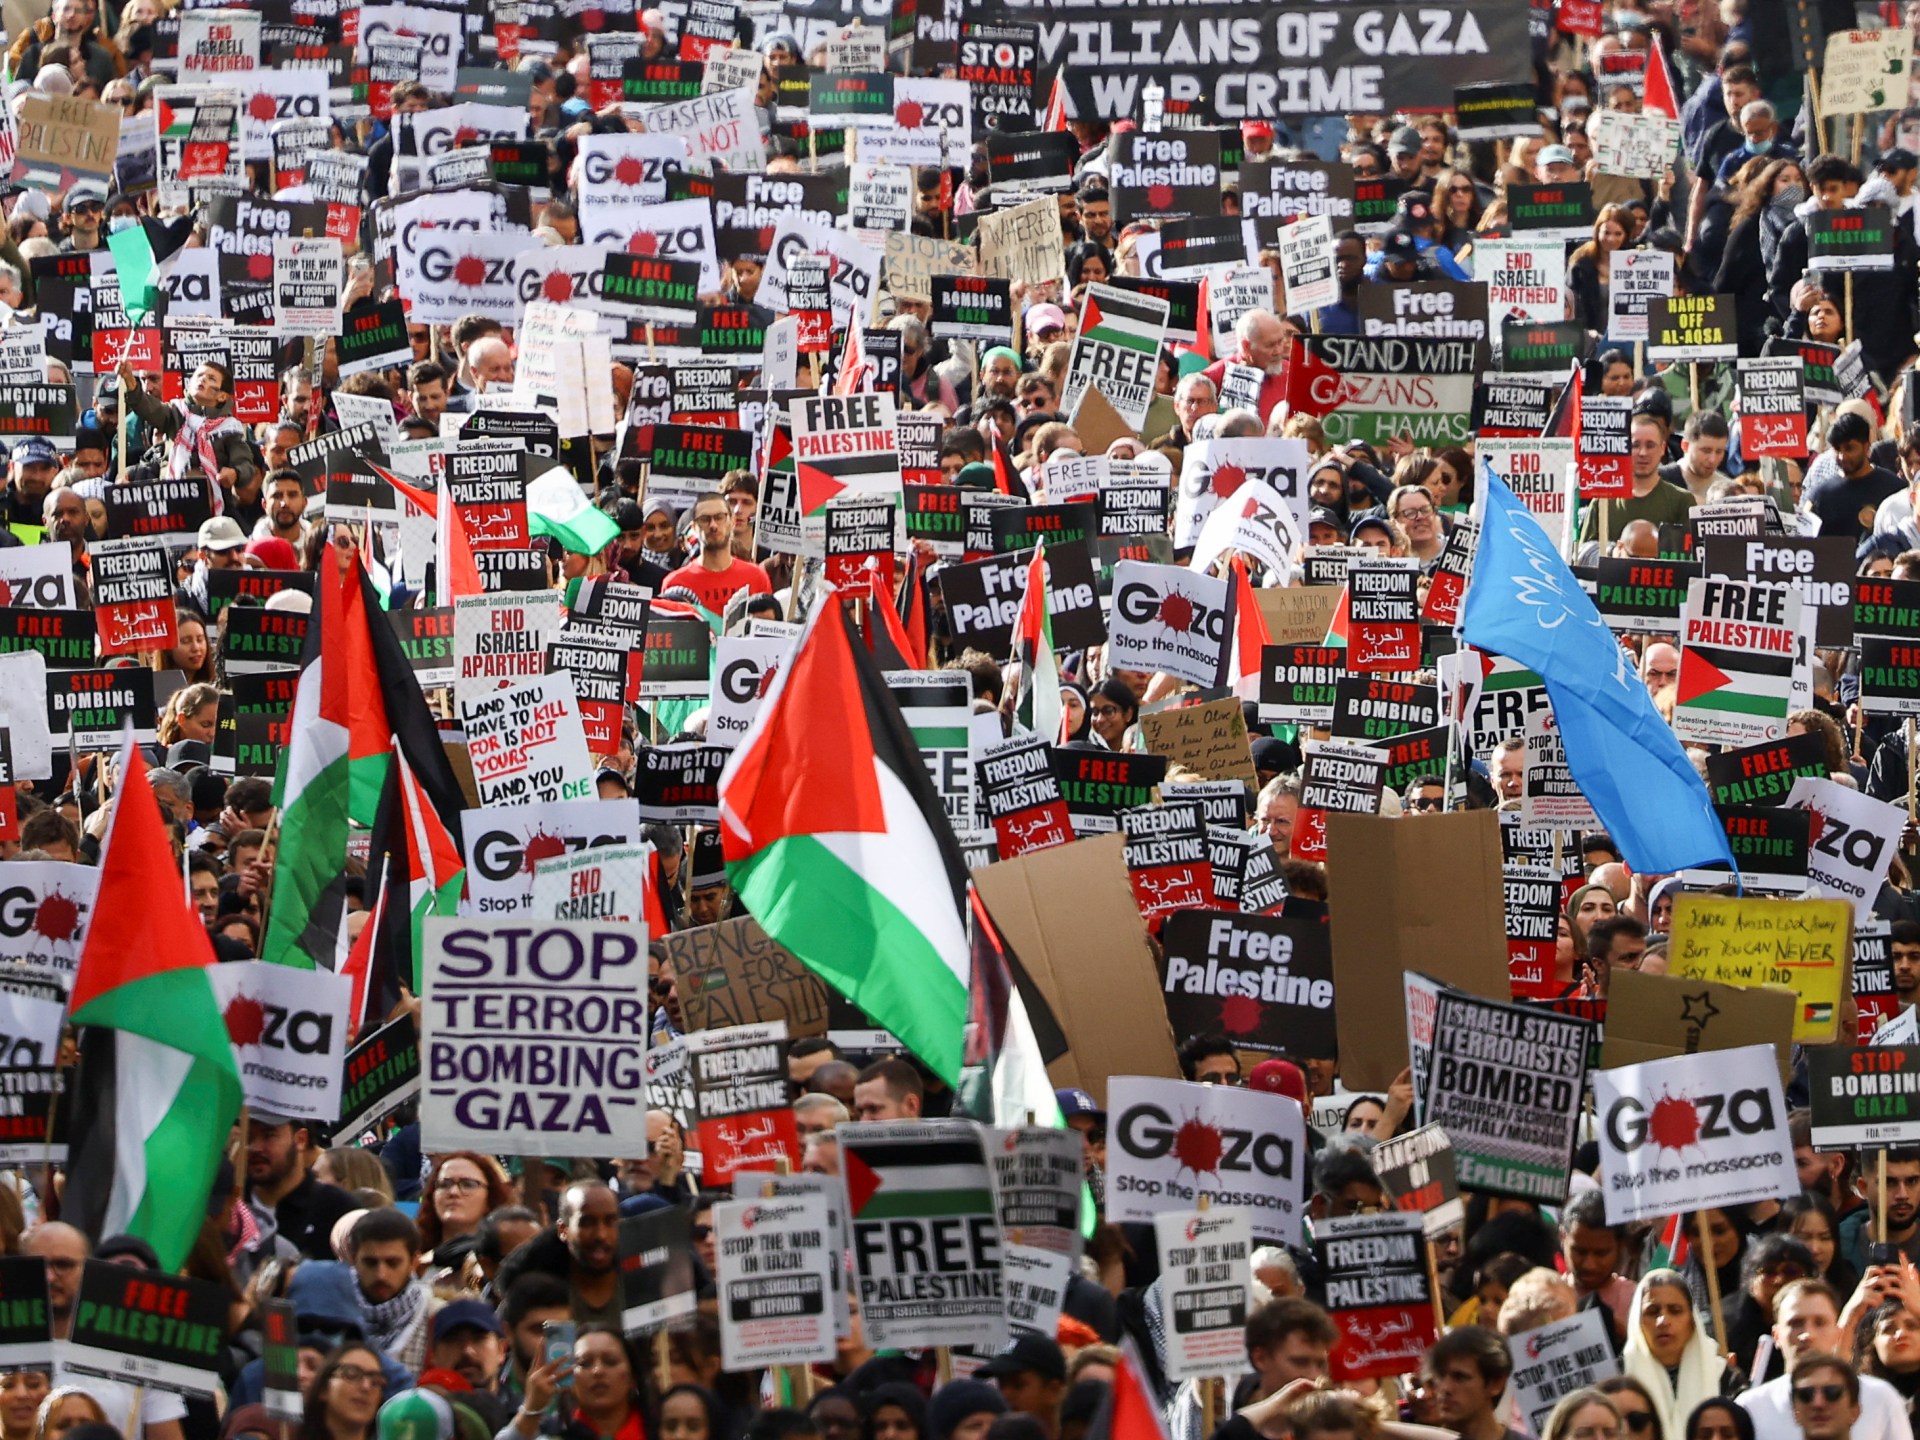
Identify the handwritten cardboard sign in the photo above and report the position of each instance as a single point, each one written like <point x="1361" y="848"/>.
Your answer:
<point x="1798" y="945"/>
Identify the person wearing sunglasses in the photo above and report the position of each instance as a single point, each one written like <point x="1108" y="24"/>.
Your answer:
<point x="1808" y="1334"/>
<point x="1209" y="1060"/>
<point x="1635" y="1405"/>
<point x="1425" y="794"/>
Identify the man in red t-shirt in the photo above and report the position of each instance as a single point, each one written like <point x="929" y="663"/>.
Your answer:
<point x="717" y="574"/>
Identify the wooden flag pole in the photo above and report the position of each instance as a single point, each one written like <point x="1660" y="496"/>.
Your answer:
<point x="1713" y="1278"/>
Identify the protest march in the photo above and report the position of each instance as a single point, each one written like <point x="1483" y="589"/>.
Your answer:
<point x="856" y="720"/>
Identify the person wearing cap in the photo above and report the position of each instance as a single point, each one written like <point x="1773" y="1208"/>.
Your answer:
<point x="222" y="546"/>
<point x="1256" y="139"/>
<point x="30" y="474"/>
<point x="82" y="214"/>
<point x="282" y="1191"/>
<point x="999" y="373"/>
<point x="964" y="1410"/>
<point x="1083" y="1113"/>
<point x="1403" y="155"/>
<point x="468" y="1339"/>
<point x="1899" y="166"/>
<point x="1031" y="1374"/>
<point x="1556" y="165"/>
<point x="1045" y="324"/>
<point x="205" y="436"/>
<point x="1401" y="260"/>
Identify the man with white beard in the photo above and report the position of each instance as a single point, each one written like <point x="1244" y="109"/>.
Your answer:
<point x="1261" y="342"/>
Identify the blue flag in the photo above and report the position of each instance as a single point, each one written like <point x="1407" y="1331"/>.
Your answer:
<point x="1524" y="603"/>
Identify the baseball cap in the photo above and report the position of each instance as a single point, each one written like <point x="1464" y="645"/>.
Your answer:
<point x="1556" y="155"/>
<point x="1325" y="515"/>
<point x="1256" y="129"/>
<point x="1406" y="141"/>
<point x="1896" y="160"/>
<point x="1074" y="1102"/>
<point x="1414" y="206"/>
<point x="1035" y="1354"/>
<point x="1398" y="246"/>
<point x="1279" y="1077"/>
<point x="1366" y="521"/>
<point x="83" y="194"/>
<point x="274" y="553"/>
<point x="35" y="451"/>
<point x="221" y="533"/>
<point x="474" y="1313"/>
<point x="1046" y="317"/>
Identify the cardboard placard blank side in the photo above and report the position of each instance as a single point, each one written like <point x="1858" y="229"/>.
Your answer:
<point x="1098" y="424"/>
<point x="1298" y="614"/>
<point x="1655" y="1017"/>
<point x="1068" y="913"/>
<point x="1423" y="894"/>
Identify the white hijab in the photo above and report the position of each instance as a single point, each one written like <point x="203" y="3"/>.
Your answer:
<point x="1699" y="1373"/>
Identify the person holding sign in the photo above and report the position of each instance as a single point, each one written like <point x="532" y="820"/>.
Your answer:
<point x="718" y="572"/>
<point x="1654" y="500"/>
<point x="1806" y="1325"/>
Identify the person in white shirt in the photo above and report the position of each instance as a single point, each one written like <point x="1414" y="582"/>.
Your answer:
<point x="1807" y="1323"/>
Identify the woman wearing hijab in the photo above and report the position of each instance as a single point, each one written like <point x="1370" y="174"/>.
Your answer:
<point x="1670" y="1352"/>
<point x="1727" y="1231"/>
<point x="1076" y="724"/>
<point x="1585" y="907"/>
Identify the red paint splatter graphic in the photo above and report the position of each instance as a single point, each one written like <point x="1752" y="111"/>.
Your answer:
<point x="1239" y="1014"/>
<point x="57" y="917"/>
<point x="541" y="846"/>
<point x="1226" y="479"/>
<point x="909" y="115"/>
<point x="766" y="681"/>
<point x="260" y="267"/>
<point x="469" y="270"/>
<point x="644" y="243"/>
<point x="465" y="136"/>
<point x="262" y="107"/>
<point x="1160" y="197"/>
<point x="1176" y="612"/>
<point x="557" y="287"/>
<point x="1674" y="1124"/>
<point x="6" y="593"/>
<point x="629" y="170"/>
<point x="1196" y="1145"/>
<point x="246" y="1020"/>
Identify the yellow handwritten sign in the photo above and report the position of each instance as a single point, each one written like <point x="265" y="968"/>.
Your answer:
<point x="1797" y="945"/>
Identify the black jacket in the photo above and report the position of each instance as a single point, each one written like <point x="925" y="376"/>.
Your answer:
<point x="1883" y="300"/>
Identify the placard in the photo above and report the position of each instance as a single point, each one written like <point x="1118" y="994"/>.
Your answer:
<point x="1862" y="1099"/>
<point x="381" y="1073"/>
<point x="774" y="1283"/>
<point x="1377" y="1292"/>
<point x="1799" y="945"/>
<point x="1773" y="407"/>
<point x="1692" y="327"/>
<point x="289" y="1030"/>
<point x="740" y="1099"/>
<point x="147" y="1328"/>
<point x="1264" y="981"/>
<point x="1204" y="1270"/>
<point x="1556" y="1359"/>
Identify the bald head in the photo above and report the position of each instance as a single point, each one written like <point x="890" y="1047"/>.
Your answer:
<point x="65" y="1250"/>
<point x="491" y="361"/>
<point x="1660" y="665"/>
<point x="1616" y="877"/>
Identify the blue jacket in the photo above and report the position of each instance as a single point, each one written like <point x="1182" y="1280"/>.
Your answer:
<point x="324" y="1291"/>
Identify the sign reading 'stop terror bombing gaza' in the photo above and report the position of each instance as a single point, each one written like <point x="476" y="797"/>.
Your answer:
<point x="1241" y="59"/>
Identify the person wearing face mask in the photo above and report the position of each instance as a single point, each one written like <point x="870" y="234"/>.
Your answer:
<point x="1761" y="215"/>
<point x="1761" y="135"/>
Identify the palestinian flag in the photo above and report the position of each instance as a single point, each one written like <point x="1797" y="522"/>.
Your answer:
<point x="457" y="572"/>
<point x="836" y="841"/>
<point x="558" y="510"/>
<point x="886" y="634"/>
<point x="1739" y="682"/>
<point x="355" y="702"/>
<point x="1011" y="1035"/>
<point x="1130" y="1411"/>
<point x="913" y="604"/>
<point x="1056" y="117"/>
<point x="1657" y="96"/>
<point x="855" y="372"/>
<point x="1038" y="707"/>
<point x="1563" y="422"/>
<point x="1006" y="474"/>
<point x="414" y="871"/>
<point x="157" y="1089"/>
<point x="905" y="1171"/>
<point x="1671" y="1250"/>
<point x="1249" y="636"/>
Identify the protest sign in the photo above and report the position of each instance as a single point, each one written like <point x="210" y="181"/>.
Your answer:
<point x="565" y="1078"/>
<point x="936" y="707"/>
<point x="1889" y="677"/>
<point x="1204" y="1267"/>
<point x="1504" y="1082"/>
<point x="1035" y="1284"/>
<point x="1263" y="981"/>
<point x="1693" y="1132"/>
<point x="90" y="708"/>
<point x="657" y="1269"/>
<point x="1376" y="1291"/>
<point x="380" y="1074"/>
<point x="679" y="784"/>
<point x="132" y="595"/>
<point x="1865" y="70"/>
<point x="1022" y="797"/>
<point x="605" y="883"/>
<point x="926" y="1246"/>
<point x="1298" y="683"/>
<point x="1169" y="619"/>
<point x="1692" y="328"/>
<point x="44" y="908"/>
<point x="289" y="1031"/>
<point x="1209" y="739"/>
<point x="1773" y="407"/>
<point x="1170" y="1142"/>
<point x="1166" y="857"/>
<point x="1557" y="1359"/>
<point x="35" y="1128"/>
<point x="1798" y="944"/>
<point x="1098" y="786"/>
<point x="739" y="1098"/>
<point x="147" y="1328"/>
<point x="1851" y="843"/>
<point x="1416" y="1168"/>
<point x="1383" y="633"/>
<point x="1737" y="645"/>
<point x="1560" y="211"/>
<point x="775" y="1281"/>
<point x="735" y="975"/>
<point x="1642" y="277"/>
<point x="1549" y="794"/>
<point x="1307" y="264"/>
<point x="1036" y="1186"/>
<point x="1862" y="1099"/>
<point x="1366" y="708"/>
<point x="26" y="1326"/>
<point x="1336" y="777"/>
<point x="526" y="743"/>
<point x="1116" y="354"/>
<point x="1819" y="569"/>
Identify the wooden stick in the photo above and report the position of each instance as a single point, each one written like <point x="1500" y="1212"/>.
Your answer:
<point x="1849" y="307"/>
<point x="1433" y="1275"/>
<point x="133" y="1412"/>
<point x="1693" y="383"/>
<point x="1819" y="130"/>
<point x="1713" y="1278"/>
<point x="662" y="1360"/>
<point x="1910" y="776"/>
<point x="1880" y="1185"/>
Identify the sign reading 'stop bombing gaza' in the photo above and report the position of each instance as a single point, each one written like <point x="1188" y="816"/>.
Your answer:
<point x="1240" y="58"/>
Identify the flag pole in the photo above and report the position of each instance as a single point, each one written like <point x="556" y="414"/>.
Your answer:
<point x="1713" y="1277"/>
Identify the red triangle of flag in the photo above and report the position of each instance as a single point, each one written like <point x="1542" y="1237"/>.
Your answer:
<point x="1698" y="676"/>
<point x="816" y="487"/>
<point x="1090" y="316"/>
<point x="862" y="1181"/>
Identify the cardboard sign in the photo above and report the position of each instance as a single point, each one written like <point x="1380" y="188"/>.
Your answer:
<point x="1455" y="930"/>
<point x="381" y="1073"/>
<point x="1694" y="1132"/>
<point x="1800" y="945"/>
<point x="1265" y="982"/>
<point x="1505" y="1081"/>
<point x="1209" y="739"/>
<point x="926" y="1245"/>
<point x="61" y="139"/>
<point x="1865" y="70"/>
<point x="289" y="1031"/>
<point x="146" y="1328"/>
<point x="733" y="974"/>
<point x="1376" y="1291"/>
<point x="775" y="1281"/>
<point x="1204" y="1268"/>
<point x="483" y="1087"/>
<point x="1253" y="1146"/>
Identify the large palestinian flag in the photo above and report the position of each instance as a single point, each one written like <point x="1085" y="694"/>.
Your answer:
<point x="356" y="700"/>
<point x="157" y="1089"/>
<point x="836" y="841"/>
